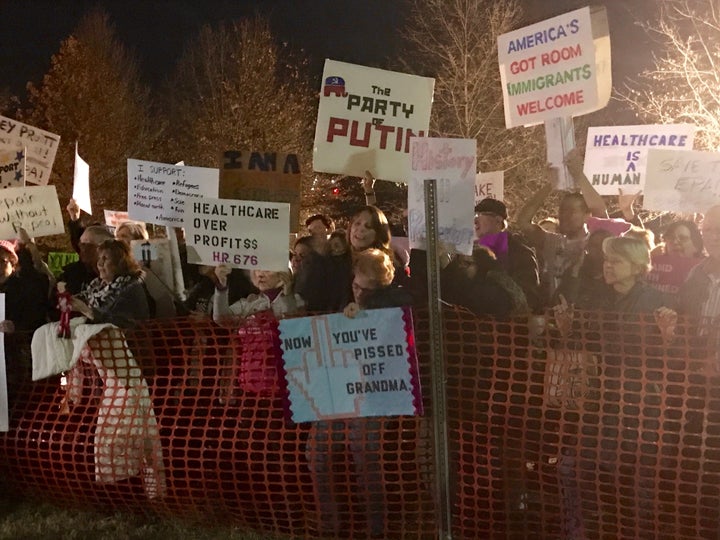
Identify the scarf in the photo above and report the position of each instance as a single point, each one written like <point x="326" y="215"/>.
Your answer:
<point x="99" y="294"/>
<point x="498" y="243"/>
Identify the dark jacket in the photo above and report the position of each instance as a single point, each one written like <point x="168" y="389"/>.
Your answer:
<point x="26" y="299"/>
<point x="694" y="292"/>
<point x="76" y="276"/>
<point x="125" y="309"/>
<point x="522" y="266"/>
<point x="325" y="282"/>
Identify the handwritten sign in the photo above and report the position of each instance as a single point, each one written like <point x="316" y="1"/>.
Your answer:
<point x="489" y="185"/>
<point x="113" y="218"/>
<point x="262" y="176"/>
<point x="366" y="118"/>
<point x="682" y="180"/>
<point x="157" y="192"/>
<point x="451" y="162"/>
<point x="337" y="367"/>
<point x="12" y="168"/>
<point x="616" y="156"/>
<point x="41" y="147"/>
<point x="81" y="183"/>
<point x="34" y="208"/>
<point x="242" y="234"/>
<point x="556" y="68"/>
<point x="670" y="271"/>
<point x="57" y="260"/>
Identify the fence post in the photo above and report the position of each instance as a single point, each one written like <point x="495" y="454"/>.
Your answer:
<point x="437" y="366"/>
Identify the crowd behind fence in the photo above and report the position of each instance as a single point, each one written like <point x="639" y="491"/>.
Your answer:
<point x="608" y="432"/>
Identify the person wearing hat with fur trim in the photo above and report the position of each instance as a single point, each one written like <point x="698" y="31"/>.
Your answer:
<point x="514" y="256"/>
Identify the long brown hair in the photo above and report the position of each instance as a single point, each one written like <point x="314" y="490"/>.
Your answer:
<point x="379" y="224"/>
<point x="120" y="255"/>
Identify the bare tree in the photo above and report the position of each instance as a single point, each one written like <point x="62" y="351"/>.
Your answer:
<point x="684" y="84"/>
<point x="93" y="94"/>
<point x="234" y="89"/>
<point x="455" y="41"/>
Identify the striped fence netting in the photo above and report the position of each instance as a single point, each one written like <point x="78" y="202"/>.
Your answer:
<point x="608" y="431"/>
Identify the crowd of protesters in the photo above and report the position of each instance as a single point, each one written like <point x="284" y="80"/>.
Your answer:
<point x="583" y="259"/>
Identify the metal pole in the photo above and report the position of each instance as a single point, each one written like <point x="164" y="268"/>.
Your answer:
<point x="437" y="365"/>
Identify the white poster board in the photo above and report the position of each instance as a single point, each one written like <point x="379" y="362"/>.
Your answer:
<point x="616" y="156"/>
<point x="452" y="163"/>
<point x="4" y="413"/>
<point x="12" y="168"/>
<point x="241" y="234"/>
<point x="157" y="191"/>
<point x="113" y="218"/>
<point x="682" y="180"/>
<point x="556" y="68"/>
<point x="35" y="208"/>
<point x="366" y="118"/>
<point x="81" y="183"/>
<point x="41" y="147"/>
<point x="489" y="185"/>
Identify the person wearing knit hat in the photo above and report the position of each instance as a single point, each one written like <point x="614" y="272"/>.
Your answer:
<point x="7" y="250"/>
<point x="516" y="258"/>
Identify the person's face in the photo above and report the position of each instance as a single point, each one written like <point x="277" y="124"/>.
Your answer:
<point x="266" y="280"/>
<point x="88" y="249"/>
<point x="123" y="234"/>
<point x="105" y="266"/>
<point x="572" y="217"/>
<point x="618" y="270"/>
<point x="711" y="232"/>
<point x="362" y="285"/>
<point x="679" y="242"/>
<point x="337" y="246"/>
<point x="487" y="223"/>
<point x="362" y="233"/>
<point x="299" y="253"/>
<point x="6" y="265"/>
<point x="317" y="228"/>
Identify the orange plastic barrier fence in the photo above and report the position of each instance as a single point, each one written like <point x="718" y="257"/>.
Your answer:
<point x="608" y="432"/>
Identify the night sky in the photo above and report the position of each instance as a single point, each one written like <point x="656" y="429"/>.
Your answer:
<point x="356" y="31"/>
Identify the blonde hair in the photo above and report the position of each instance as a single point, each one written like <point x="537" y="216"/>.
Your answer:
<point x="633" y="250"/>
<point x="137" y="230"/>
<point x="376" y="265"/>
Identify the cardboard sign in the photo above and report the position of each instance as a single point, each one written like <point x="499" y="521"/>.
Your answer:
<point x="57" y="260"/>
<point x="489" y="185"/>
<point x="40" y="147"/>
<point x="366" y="119"/>
<point x="338" y="367"/>
<point x="157" y="192"/>
<point x="262" y="176"/>
<point x="556" y="68"/>
<point x="241" y="234"/>
<point x="560" y="139"/>
<point x="155" y="255"/>
<point x="670" y="271"/>
<point x="452" y="163"/>
<point x="113" y="218"/>
<point x="34" y="208"/>
<point x="12" y="168"/>
<point x="616" y="156"/>
<point x="682" y="180"/>
<point x="81" y="183"/>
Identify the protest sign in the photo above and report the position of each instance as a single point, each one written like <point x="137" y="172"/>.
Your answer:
<point x="113" y="218"/>
<point x="366" y="118"/>
<point x="154" y="255"/>
<point x="669" y="272"/>
<point x="40" y="148"/>
<point x="489" y="185"/>
<point x="451" y="162"/>
<point x="56" y="260"/>
<point x="341" y="367"/>
<point x="556" y="68"/>
<point x="157" y="192"/>
<point x="616" y="156"/>
<point x="560" y="139"/>
<point x="262" y="176"/>
<point x="12" y="168"/>
<point x="682" y="180"/>
<point x="4" y="416"/>
<point x="34" y="208"/>
<point x="81" y="183"/>
<point x="241" y="234"/>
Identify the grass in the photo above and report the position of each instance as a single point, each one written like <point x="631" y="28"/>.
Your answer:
<point x="27" y="519"/>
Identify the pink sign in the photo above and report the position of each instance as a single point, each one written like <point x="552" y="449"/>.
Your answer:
<point x="670" y="271"/>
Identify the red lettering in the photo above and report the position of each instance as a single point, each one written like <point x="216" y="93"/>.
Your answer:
<point x="337" y="126"/>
